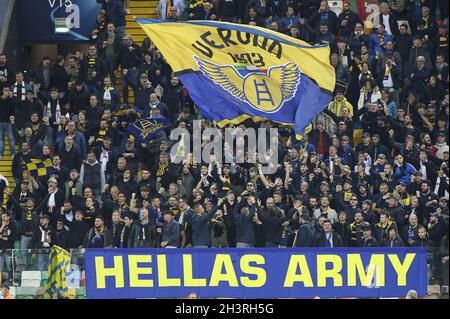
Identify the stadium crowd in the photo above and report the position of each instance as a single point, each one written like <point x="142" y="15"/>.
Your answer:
<point x="374" y="170"/>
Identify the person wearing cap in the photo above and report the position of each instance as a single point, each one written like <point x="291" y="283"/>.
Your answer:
<point x="441" y="145"/>
<point x="367" y="239"/>
<point x="78" y="97"/>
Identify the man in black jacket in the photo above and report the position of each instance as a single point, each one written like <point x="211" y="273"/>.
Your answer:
<point x="143" y="232"/>
<point x="244" y="217"/>
<point x="142" y="97"/>
<point x="324" y="14"/>
<point x="129" y="59"/>
<point x="79" y="97"/>
<point x="78" y="230"/>
<point x="61" y="236"/>
<point x="306" y="233"/>
<point x="59" y="76"/>
<point x="8" y="234"/>
<point x="342" y="228"/>
<point x="367" y="239"/>
<point x="6" y="73"/>
<point x="173" y="97"/>
<point x="42" y="240"/>
<point x="92" y="70"/>
<point x="6" y="111"/>
<point x="328" y="238"/>
<point x="393" y="239"/>
<point x="273" y="220"/>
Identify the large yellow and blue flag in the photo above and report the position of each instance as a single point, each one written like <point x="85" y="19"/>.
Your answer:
<point x="59" y="261"/>
<point x="236" y="72"/>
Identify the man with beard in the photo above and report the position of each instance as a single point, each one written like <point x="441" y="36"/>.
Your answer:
<point x="98" y="236"/>
<point x="273" y="220"/>
<point x="356" y="229"/>
<point x="183" y="219"/>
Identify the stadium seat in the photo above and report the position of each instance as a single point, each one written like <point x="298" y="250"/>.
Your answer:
<point x="31" y="279"/>
<point x="30" y="291"/>
<point x="21" y="263"/>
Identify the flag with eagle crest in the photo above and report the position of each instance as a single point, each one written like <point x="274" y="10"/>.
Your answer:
<point x="235" y="72"/>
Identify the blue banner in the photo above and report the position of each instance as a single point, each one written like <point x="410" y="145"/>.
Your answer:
<point x="255" y="273"/>
<point x="147" y="129"/>
<point x="37" y="18"/>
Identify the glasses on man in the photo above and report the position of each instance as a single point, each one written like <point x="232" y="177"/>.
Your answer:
<point x="249" y="185"/>
<point x="354" y="199"/>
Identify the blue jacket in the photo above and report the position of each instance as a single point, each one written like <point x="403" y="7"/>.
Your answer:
<point x="403" y="173"/>
<point x="375" y="42"/>
<point x="116" y="13"/>
<point x="200" y="231"/>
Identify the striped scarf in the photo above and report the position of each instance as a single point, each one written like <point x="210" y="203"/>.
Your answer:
<point x="22" y="91"/>
<point x="162" y="169"/>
